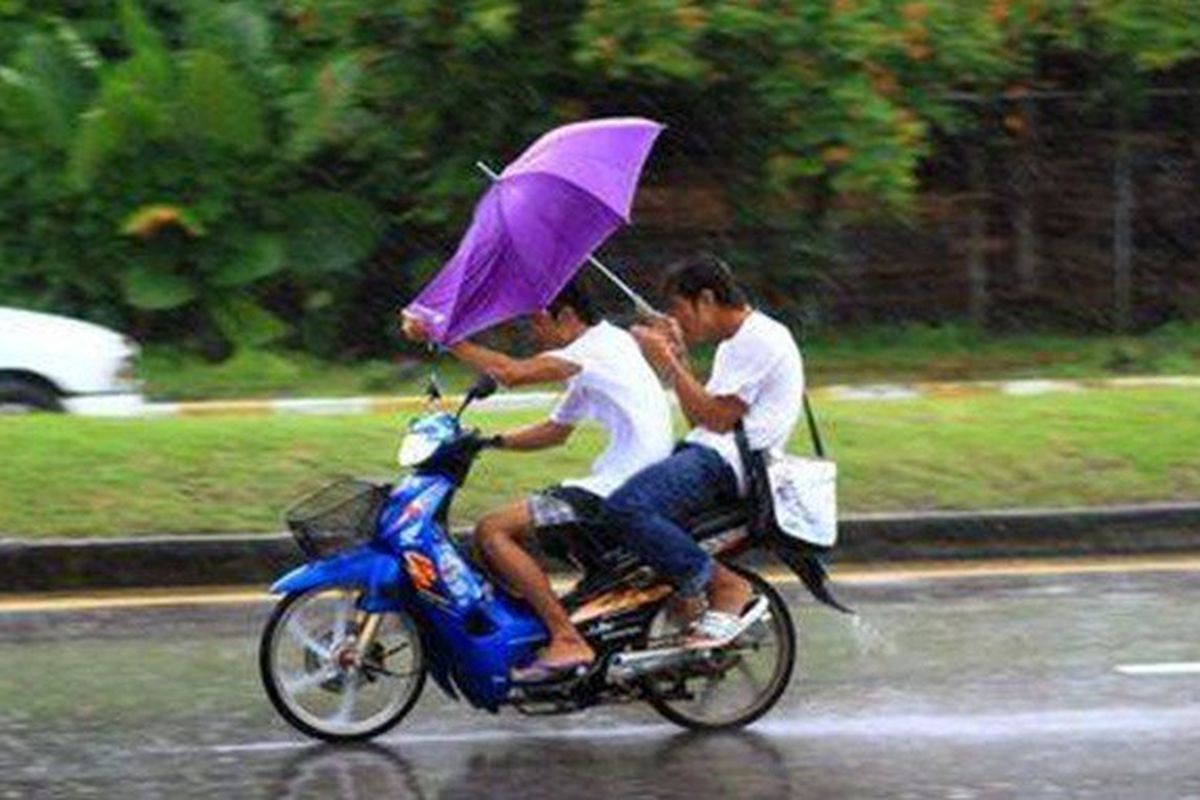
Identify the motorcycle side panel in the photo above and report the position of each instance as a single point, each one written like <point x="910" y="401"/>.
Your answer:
<point x="498" y="635"/>
<point x="413" y="503"/>
<point x="479" y="635"/>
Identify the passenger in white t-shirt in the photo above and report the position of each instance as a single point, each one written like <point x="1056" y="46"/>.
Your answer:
<point x="757" y="379"/>
<point x="608" y="382"/>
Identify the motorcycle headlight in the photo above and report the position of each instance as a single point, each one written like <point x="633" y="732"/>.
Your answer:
<point x="425" y="435"/>
<point x="416" y="448"/>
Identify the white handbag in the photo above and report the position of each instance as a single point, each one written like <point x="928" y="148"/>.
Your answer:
<point x="799" y="498"/>
<point x="804" y="498"/>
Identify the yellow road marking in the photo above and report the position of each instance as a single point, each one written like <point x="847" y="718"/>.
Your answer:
<point x="132" y="598"/>
<point x="1015" y="567"/>
<point x="850" y="575"/>
<point x="222" y="408"/>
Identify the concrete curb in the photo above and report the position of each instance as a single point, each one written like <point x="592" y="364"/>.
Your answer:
<point x="259" y="558"/>
<point x="522" y="401"/>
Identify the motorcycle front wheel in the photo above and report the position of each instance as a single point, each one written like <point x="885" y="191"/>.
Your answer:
<point x="319" y="682"/>
<point x="738" y="683"/>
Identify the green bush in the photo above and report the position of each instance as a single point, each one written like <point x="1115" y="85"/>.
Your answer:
<point x="228" y="175"/>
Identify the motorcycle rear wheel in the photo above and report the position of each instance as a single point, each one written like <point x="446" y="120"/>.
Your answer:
<point x="749" y="676"/>
<point x="318" y="695"/>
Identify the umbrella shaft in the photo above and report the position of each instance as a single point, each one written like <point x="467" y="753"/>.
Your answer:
<point x="639" y="302"/>
<point x="486" y="170"/>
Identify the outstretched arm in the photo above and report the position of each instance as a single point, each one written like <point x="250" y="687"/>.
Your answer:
<point x="511" y="371"/>
<point x="538" y="436"/>
<point x="507" y="370"/>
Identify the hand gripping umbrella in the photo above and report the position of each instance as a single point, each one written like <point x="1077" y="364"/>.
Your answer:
<point x="536" y="225"/>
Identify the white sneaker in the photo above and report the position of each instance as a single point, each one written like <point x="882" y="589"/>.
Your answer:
<point x="717" y="629"/>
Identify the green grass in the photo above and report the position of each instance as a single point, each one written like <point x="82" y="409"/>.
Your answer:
<point x="914" y="353"/>
<point x="172" y="375"/>
<point x="64" y="476"/>
<point x="940" y="353"/>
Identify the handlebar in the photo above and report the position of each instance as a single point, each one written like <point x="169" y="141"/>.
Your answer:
<point x="475" y="440"/>
<point x="455" y="458"/>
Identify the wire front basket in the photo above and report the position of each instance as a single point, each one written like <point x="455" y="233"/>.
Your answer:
<point x="336" y="517"/>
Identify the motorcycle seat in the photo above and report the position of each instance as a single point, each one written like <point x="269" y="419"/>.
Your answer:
<point x="597" y="551"/>
<point x="603" y="551"/>
<point x="718" y="520"/>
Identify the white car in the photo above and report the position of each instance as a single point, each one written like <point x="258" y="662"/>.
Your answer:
<point x="54" y="363"/>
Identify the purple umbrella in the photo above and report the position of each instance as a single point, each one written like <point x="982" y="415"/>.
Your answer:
<point x="536" y="225"/>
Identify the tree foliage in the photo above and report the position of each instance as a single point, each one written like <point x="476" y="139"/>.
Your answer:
<point x="245" y="171"/>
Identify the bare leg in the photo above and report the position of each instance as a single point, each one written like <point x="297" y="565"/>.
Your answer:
<point x="728" y="591"/>
<point x="497" y="537"/>
<point x="686" y="609"/>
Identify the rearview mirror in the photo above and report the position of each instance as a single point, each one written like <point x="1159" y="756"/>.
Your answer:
<point x="485" y="386"/>
<point x="433" y="389"/>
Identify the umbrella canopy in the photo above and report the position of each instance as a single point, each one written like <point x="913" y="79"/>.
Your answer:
<point x="536" y="225"/>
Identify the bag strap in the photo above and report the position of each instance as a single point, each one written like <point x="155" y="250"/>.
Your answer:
<point x="750" y="462"/>
<point x="758" y="501"/>
<point x="748" y="455"/>
<point x="813" y="431"/>
<point x="754" y="464"/>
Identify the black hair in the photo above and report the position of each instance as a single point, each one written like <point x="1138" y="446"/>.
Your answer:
<point x="690" y="276"/>
<point x="576" y="296"/>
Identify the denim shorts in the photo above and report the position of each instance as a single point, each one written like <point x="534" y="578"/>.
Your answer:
<point x="559" y="512"/>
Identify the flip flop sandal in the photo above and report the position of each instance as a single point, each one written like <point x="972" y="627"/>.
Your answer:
<point x="716" y="629"/>
<point x="540" y="670"/>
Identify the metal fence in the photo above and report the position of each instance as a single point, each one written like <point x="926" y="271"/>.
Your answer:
<point x="1052" y="210"/>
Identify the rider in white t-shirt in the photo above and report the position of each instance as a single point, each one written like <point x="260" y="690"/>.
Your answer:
<point x="761" y="366"/>
<point x="608" y="382"/>
<point x="616" y="388"/>
<point x="758" y="380"/>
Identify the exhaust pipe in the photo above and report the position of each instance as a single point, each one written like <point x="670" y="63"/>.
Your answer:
<point x="637" y="663"/>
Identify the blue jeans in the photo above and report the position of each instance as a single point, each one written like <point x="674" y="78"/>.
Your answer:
<point x="648" y="513"/>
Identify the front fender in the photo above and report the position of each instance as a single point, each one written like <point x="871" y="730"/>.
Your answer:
<point x="376" y="572"/>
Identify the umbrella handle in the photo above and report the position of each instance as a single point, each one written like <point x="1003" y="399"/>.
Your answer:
<point x="639" y="302"/>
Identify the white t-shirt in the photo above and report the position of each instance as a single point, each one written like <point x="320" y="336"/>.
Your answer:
<point x="761" y="365"/>
<point x="616" y="388"/>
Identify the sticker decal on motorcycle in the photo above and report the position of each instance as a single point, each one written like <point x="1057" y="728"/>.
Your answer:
<point x="421" y="570"/>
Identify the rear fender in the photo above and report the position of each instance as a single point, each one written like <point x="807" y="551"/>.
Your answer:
<point x="810" y="569"/>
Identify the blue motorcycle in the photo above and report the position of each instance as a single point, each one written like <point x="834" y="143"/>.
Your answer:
<point x="391" y="597"/>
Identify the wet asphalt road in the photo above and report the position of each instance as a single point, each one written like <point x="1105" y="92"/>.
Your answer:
<point x="954" y="688"/>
